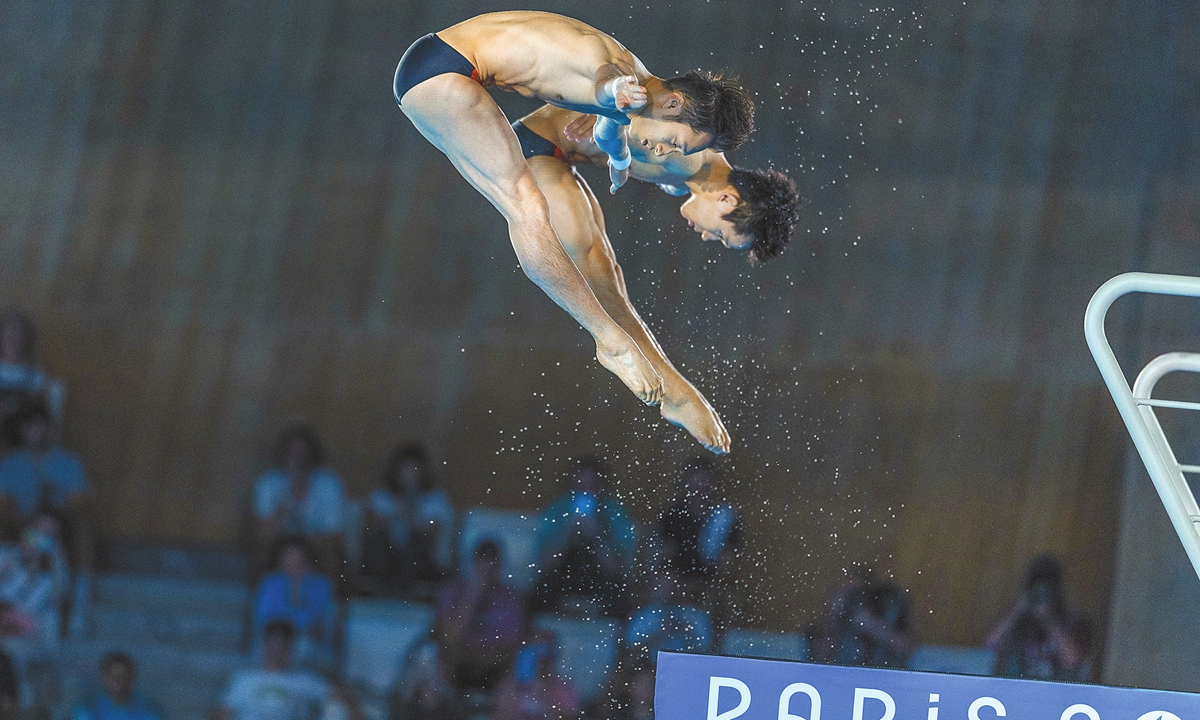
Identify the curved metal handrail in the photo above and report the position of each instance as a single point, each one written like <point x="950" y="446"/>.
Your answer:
<point x="1137" y="406"/>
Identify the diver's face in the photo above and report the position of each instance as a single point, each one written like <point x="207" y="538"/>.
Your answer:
<point x="651" y="137"/>
<point x="705" y="213"/>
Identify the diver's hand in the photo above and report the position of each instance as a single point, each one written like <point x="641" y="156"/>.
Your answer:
<point x="627" y="93"/>
<point x="580" y="129"/>
<point x="618" y="177"/>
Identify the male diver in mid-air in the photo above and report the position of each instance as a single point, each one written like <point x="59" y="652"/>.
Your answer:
<point x="440" y="85"/>
<point x="747" y="210"/>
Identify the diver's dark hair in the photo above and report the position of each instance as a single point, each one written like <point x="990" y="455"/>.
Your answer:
<point x="715" y="104"/>
<point x="768" y="209"/>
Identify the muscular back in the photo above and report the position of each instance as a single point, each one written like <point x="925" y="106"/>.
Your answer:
<point x="541" y="55"/>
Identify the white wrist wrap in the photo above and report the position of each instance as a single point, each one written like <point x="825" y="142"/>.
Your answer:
<point x="610" y="87"/>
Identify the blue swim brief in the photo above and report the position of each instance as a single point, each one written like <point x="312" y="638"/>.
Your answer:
<point x="533" y="144"/>
<point x="429" y="57"/>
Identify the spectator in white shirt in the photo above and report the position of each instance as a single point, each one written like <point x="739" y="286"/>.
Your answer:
<point x="277" y="691"/>
<point x="300" y="496"/>
<point x="33" y="582"/>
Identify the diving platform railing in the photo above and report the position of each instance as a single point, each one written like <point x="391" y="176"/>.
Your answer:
<point x="1137" y="404"/>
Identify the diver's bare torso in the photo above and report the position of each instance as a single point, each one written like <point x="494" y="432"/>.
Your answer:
<point x="541" y="55"/>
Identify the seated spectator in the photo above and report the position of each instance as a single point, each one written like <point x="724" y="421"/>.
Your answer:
<point x="21" y="382"/>
<point x="585" y="543"/>
<point x="299" y="496"/>
<point x="40" y="475"/>
<point x="33" y="582"/>
<point x="1041" y="638"/>
<point x="408" y="529"/>
<point x="118" y="700"/>
<point x="700" y="533"/>
<point x="478" y="623"/>
<point x="700" y="529"/>
<point x="664" y="623"/>
<point x="423" y="691"/>
<point x="888" y="626"/>
<point x="866" y="624"/>
<point x="277" y="691"/>
<point x="534" y="689"/>
<point x="295" y="592"/>
<point x="629" y="692"/>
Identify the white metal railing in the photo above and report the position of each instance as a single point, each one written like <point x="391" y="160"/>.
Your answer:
<point x="1137" y="407"/>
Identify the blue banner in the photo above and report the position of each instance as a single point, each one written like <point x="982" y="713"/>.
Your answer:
<point x="707" y="687"/>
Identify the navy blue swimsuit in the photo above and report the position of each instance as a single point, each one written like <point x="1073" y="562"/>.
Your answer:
<point x="533" y="144"/>
<point x="432" y="56"/>
<point x="429" y="57"/>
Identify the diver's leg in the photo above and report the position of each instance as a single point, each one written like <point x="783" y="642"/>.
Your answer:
<point x="458" y="116"/>
<point x="577" y="219"/>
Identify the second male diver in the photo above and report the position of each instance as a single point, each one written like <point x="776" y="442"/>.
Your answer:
<point x="752" y="211"/>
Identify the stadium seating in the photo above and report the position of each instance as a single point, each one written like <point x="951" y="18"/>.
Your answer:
<point x="516" y="532"/>
<point x="944" y="658"/>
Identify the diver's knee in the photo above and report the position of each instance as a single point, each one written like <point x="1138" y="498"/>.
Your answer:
<point x="524" y="202"/>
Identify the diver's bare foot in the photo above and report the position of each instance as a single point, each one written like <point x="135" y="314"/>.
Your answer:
<point x="628" y="364"/>
<point x="683" y="405"/>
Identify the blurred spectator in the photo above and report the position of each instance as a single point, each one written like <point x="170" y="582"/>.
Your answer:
<point x="629" y="692"/>
<point x="866" y="623"/>
<point x="299" y="496"/>
<point x="1041" y="638"/>
<point x="700" y="529"/>
<point x="10" y="688"/>
<point x="585" y="544"/>
<point x="478" y="622"/>
<point x="824" y="634"/>
<point x="408" y="529"/>
<point x="279" y="692"/>
<point x="534" y="689"/>
<point x="33" y="582"/>
<point x="664" y="623"/>
<point x="118" y="700"/>
<point x="295" y="592"/>
<point x="423" y="691"/>
<point x="20" y="379"/>
<point x="40" y="475"/>
<point x="700" y="532"/>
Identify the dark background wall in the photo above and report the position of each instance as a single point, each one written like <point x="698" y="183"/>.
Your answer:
<point x="222" y="222"/>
